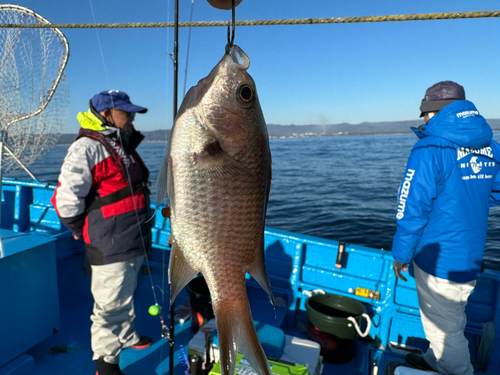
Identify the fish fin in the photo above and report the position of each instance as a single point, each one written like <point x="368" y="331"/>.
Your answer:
<point x="217" y="162"/>
<point x="164" y="182"/>
<point x="269" y="179"/>
<point x="170" y="188"/>
<point x="180" y="273"/>
<point x="170" y="241"/>
<point x="258" y="271"/>
<point x="161" y="182"/>
<point x="236" y="332"/>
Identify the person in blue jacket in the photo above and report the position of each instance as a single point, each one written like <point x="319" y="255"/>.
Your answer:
<point x="451" y="180"/>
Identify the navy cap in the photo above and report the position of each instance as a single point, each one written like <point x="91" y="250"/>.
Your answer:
<point x="115" y="99"/>
<point x="440" y="95"/>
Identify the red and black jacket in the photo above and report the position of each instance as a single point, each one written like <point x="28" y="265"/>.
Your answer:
<point x="103" y="195"/>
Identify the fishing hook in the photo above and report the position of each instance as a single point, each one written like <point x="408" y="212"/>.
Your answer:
<point x="230" y="37"/>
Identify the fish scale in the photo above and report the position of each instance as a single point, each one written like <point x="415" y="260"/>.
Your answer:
<point x="217" y="174"/>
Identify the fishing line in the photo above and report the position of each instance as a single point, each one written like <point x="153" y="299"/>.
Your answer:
<point x="127" y="171"/>
<point x="100" y="46"/>
<point x="129" y="179"/>
<point x="188" y="49"/>
<point x="166" y="96"/>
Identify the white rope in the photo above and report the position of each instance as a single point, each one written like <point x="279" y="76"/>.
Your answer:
<point x="355" y="323"/>
<point x="313" y="292"/>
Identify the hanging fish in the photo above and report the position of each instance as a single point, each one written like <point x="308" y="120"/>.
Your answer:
<point x="217" y="174"/>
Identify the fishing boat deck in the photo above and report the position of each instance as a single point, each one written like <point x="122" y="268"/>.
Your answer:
<point x="45" y="320"/>
<point x="67" y="351"/>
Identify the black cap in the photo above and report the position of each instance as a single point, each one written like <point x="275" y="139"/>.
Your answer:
<point x="440" y="95"/>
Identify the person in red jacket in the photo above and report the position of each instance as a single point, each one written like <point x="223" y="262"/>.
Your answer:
<point x="103" y="197"/>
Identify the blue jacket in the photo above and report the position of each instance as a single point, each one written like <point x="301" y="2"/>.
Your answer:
<point x="451" y="179"/>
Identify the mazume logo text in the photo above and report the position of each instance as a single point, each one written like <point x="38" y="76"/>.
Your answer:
<point x="405" y="190"/>
<point x="464" y="151"/>
<point x="465" y="114"/>
<point x="479" y="164"/>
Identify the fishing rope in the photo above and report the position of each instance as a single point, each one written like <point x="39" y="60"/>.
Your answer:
<point x="278" y="22"/>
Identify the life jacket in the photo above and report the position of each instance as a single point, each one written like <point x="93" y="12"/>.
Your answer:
<point x="117" y="205"/>
<point x="138" y="176"/>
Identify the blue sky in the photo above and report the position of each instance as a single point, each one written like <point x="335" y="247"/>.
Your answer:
<point x="310" y="74"/>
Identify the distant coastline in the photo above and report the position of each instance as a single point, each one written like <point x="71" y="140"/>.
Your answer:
<point x="311" y="131"/>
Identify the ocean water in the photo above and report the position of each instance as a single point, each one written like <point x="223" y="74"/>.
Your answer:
<point x="339" y="188"/>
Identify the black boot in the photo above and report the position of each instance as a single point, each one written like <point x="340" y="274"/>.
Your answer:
<point x="418" y="361"/>
<point x="105" y="368"/>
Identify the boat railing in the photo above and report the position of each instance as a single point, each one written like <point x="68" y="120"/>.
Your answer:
<point x="297" y="264"/>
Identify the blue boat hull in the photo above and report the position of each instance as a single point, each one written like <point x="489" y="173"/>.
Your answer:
<point x="46" y="311"/>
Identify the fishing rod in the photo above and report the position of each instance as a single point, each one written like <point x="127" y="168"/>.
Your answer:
<point x="176" y="55"/>
<point x="176" y="76"/>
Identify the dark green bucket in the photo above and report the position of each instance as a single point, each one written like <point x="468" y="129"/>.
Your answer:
<point x="329" y="325"/>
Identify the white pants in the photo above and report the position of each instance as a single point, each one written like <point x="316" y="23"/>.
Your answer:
<point x="442" y="309"/>
<point x="113" y="328"/>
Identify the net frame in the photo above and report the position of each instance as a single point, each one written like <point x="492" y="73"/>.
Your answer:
<point x="27" y="129"/>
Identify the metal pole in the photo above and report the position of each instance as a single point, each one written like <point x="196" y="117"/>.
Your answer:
<point x="176" y="54"/>
<point x="176" y="73"/>
<point x="19" y="162"/>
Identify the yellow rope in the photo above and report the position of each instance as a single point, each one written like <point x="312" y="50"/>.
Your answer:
<point x="297" y="21"/>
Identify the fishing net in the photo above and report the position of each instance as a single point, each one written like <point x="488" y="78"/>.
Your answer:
<point x="32" y="112"/>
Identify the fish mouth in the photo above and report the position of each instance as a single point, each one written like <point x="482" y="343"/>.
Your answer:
<point x="240" y="59"/>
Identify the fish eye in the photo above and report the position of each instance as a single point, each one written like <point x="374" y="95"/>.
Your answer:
<point x="245" y="92"/>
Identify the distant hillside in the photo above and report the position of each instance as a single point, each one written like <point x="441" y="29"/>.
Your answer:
<point x="304" y="131"/>
<point x="365" y="128"/>
<point x="152" y="136"/>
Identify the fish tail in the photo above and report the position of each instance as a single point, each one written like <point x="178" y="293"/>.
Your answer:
<point x="236" y="332"/>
